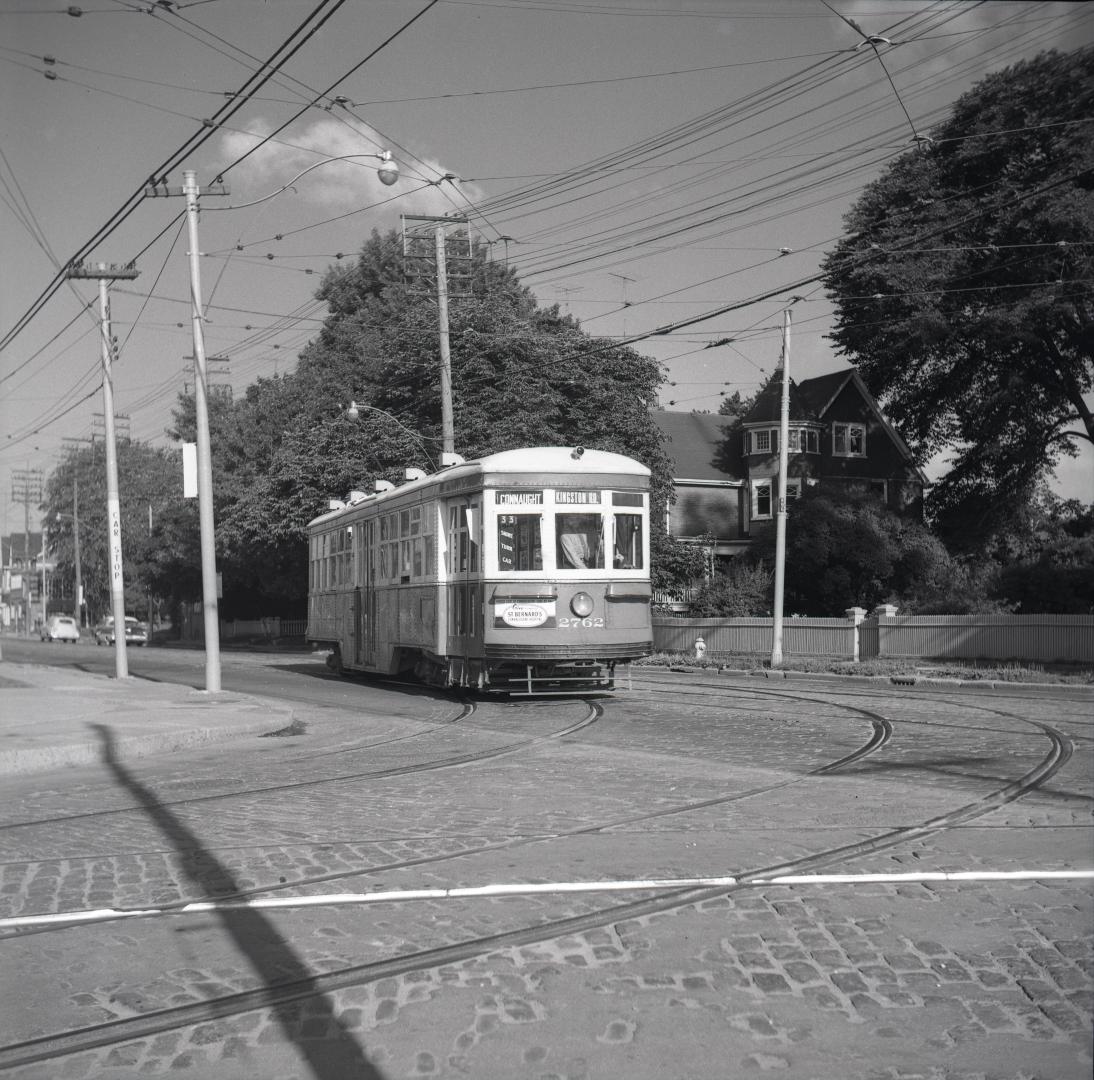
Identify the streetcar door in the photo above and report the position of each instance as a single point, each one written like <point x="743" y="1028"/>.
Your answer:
<point x="464" y="599"/>
<point x="365" y="597"/>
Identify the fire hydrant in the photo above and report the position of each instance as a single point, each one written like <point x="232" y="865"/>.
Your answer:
<point x="700" y="648"/>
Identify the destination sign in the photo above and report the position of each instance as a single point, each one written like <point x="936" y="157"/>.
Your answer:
<point x="577" y="498"/>
<point x="518" y="498"/>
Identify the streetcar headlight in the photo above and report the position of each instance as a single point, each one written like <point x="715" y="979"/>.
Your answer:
<point x="582" y="605"/>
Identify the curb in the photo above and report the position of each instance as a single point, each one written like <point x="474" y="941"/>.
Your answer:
<point x="893" y="680"/>
<point x="126" y="747"/>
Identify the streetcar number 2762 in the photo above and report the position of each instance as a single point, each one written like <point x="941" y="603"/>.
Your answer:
<point x="566" y="623"/>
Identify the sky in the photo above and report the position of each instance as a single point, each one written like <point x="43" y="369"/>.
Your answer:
<point x="642" y="163"/>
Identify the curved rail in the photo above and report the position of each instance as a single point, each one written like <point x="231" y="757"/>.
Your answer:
<point x="453" y="762"/>
<point x="49" y="1047"/>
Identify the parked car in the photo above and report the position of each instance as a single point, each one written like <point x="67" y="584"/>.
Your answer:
<point x="61" y="628"/>
<point x="136" y="632"/>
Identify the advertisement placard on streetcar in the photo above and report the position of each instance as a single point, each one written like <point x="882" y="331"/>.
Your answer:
<point x="523" y="615"/>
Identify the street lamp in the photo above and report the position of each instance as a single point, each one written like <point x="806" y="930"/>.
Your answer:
<point x="387" y="172"/>
<point x="353" y="412"/>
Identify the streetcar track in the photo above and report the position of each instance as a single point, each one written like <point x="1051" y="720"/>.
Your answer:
<point x="125" y="1029"/>
<point x="457" y="761"/>
<point x="874" y="694"/>
<point x="881" y="733"/>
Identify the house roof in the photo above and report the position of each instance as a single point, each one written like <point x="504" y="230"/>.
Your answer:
<point x="819" y="393"/>
<point x="697" y="442"/>
<point x="768" y="405"/>
<point x="694" y="441"/>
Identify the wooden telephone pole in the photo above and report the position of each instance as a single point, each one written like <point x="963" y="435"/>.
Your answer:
<point x="104" y="274"/>
<point x="209" y="592"/>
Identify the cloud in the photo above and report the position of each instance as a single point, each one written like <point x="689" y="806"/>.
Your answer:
<point x="339" y="185"/>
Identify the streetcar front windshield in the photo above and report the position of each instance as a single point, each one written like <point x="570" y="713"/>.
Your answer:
<point x="627" y="554"/>
<point x="579" y="542"/>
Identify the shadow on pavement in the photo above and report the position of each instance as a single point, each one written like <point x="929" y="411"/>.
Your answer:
<point x="335" y="1054"/>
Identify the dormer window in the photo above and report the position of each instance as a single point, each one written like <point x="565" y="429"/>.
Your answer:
<point x="848" y="440"/>
<point x="762" y="441"/>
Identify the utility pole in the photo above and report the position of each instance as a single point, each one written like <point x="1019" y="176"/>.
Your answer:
<point x="26" y="488"/>
<point x="76" y="546"/>
<point x="104" y="274"/>
<point x="415" y="240"/>
<point x="623" y="297"/>
<point x="448" y="428"/>
<point x="73" y="447"/>
<point x="45" y="591"/>
<point x="150" y="590"/>
<point x="210" y="611"/>
<point x="780" y="521"/>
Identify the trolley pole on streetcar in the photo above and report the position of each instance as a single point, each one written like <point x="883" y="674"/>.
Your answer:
<point x="780" y="521"/>
<point x="209" y="606"/>
<point x="104" y="274"/>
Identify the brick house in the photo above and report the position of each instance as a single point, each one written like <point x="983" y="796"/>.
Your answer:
<point x="725" y="470"/>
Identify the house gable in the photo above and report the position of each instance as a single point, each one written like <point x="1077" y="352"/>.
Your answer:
<point x="725" y="473"/>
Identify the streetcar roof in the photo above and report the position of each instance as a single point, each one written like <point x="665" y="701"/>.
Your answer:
<point x="565" y="461"/>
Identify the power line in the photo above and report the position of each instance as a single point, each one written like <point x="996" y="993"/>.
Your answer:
<point x="304" y="32"/>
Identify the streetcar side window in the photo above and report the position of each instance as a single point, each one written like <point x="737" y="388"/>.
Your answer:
<point x="579" y="542"/>
<point x="463" y="543"/>
<point x="628" y="542"/>
<point x="519" y="543"/>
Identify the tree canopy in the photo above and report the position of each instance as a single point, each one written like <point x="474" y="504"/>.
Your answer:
<point x="845" y="549"/>
<point x="522" y="375"/>
<point x="159" y="527"/>
<point x="963" y="290"/>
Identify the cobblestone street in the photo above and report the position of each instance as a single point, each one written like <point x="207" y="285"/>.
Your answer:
<point x="889" y="980"/>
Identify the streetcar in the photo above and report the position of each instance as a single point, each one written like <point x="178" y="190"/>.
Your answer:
<point x="524" y="572"/>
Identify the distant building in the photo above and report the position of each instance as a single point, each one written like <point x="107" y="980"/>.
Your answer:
<point x="19" y="578"/>
<point x="726" y="471"/>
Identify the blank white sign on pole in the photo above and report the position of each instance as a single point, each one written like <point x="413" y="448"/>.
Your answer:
<point x="190" y="470"/>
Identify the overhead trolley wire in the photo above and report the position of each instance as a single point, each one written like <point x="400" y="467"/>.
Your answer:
<point x="356" y="67"/>
<point x="281" y="54"/>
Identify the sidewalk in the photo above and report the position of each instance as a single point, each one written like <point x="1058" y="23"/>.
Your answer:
<point x="49" y="717"/>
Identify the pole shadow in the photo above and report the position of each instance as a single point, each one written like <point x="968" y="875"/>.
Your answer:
<point x="335" y="1054"/>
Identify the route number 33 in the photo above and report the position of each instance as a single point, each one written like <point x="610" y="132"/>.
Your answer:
<point x="566" y="623"/>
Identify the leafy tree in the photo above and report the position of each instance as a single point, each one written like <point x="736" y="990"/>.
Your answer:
<point x="735" y="406"/>
<point x="743" y="589"/>
<point x="1055" y="571"/>
<point x="675" y="565"/>
<point x="963" y="290"/>
<point x="522" y="375"/>
<point x="154" y="560"/>
<point x="845" y="549"/>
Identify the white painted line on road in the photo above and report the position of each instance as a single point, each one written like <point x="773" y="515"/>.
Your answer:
<point x="72" y="918"/>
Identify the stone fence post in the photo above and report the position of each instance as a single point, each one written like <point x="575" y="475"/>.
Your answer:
<point x="856" y="615"/>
